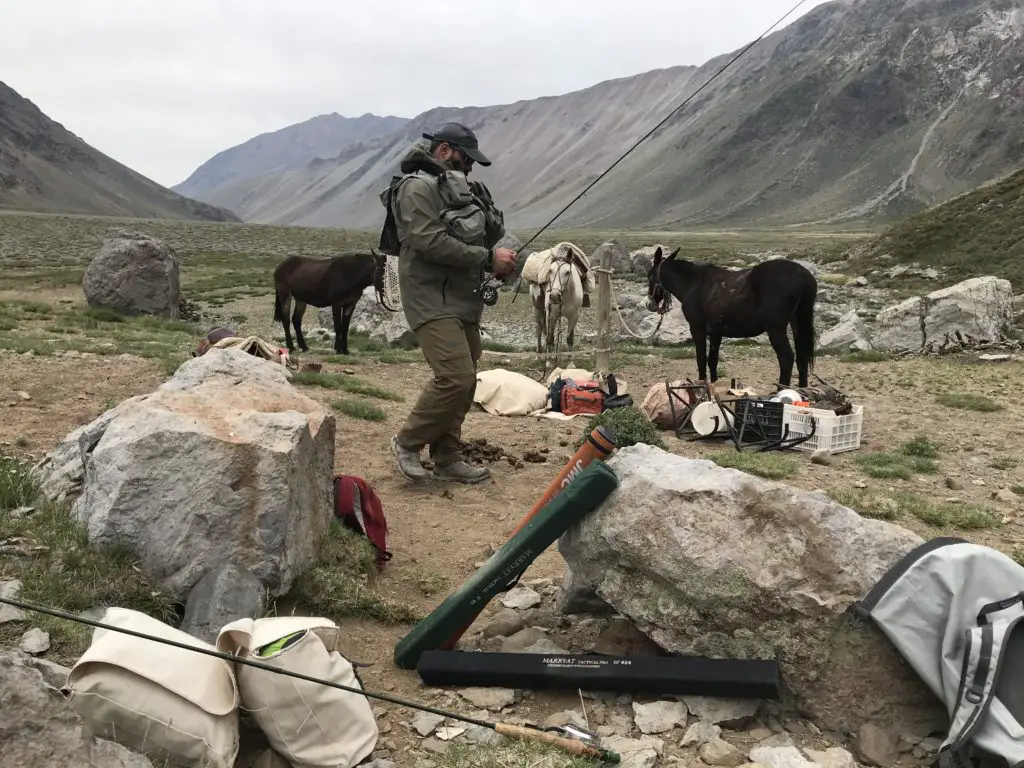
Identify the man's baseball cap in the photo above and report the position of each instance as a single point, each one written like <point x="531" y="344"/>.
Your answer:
<point x="462" y="137"/>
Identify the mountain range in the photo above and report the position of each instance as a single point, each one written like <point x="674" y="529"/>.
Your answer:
<point x="859" y="112"/>
<point x="45" y="167"/>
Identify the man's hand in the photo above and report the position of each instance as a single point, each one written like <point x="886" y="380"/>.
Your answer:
<point x="504" y="262"/>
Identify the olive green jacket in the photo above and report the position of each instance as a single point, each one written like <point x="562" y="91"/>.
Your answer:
<point x="444" y="252"/>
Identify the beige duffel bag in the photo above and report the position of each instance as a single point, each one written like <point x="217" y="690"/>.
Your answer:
<point x="308" y="724"/>
<point x="169" y="703"/>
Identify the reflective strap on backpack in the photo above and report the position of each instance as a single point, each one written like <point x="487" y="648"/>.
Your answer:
<point x="983" y="656"/>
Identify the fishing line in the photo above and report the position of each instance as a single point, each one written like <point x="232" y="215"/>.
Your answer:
<point x="574" y="742"/>
<point x="237" y="660"/>
<point x="664" y="120"/>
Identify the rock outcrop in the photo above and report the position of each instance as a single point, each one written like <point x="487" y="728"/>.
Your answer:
<point x="980" y="309"/>
<point x="134" y="274"/>
<point x="38" y="729"/>
<point x="382" y="325"/>
<point x="226" y="462"/>
<point x="715" y="562"/>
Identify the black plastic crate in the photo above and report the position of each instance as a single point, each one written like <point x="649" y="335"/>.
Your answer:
<point x="760" y="419"/>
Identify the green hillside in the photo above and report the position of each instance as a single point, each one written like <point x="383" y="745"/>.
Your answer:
<point x="978" y="233"/>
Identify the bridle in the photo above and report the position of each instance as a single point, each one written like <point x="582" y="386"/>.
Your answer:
<point x="658" y="294"/>
<point x="564" y="275"/>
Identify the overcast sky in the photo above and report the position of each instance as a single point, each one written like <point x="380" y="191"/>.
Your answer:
<point x="163" y="86"/>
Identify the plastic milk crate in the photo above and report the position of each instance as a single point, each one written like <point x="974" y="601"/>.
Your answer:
<point x="832" y="433"/>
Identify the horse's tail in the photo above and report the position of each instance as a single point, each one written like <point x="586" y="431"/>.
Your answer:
<point x="803" y="323"/>
<point x="278" y="317"/>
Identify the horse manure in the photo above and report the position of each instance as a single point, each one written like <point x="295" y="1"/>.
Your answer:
<point x="535" y="457"/>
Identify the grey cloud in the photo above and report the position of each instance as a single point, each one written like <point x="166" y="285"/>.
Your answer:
<point x="162" y="87"/>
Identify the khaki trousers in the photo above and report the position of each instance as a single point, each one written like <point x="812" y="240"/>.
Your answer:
<point x="452" y="348"/>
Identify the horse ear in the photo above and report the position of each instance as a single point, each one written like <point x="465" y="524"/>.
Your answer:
<point x="673" y="255"/>
<point x="657" y="254"/>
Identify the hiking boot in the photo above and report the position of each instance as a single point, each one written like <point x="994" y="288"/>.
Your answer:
<point x="409" y="463"/>
<point x="460" y="472"/>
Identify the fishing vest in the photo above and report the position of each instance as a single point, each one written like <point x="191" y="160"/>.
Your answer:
<point x="467" y="210"/>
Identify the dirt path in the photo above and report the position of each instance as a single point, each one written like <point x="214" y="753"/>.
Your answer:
<point x="440" y="534"/>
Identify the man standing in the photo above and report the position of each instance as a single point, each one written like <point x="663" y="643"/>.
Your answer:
<point x="447" y="230"/>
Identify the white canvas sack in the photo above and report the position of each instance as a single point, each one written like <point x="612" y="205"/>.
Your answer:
<point x="308" y="724"/>
<point x="169" y="703"/>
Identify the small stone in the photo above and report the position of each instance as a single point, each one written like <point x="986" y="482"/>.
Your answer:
<point x="425" y="723"/>
<point x="35" y="641"/>
<point x="927" y="747"/>
<point x="776" y="741"/>
<point x="1004" y="495"/>
<point x="521" y="640"/>
<point x="23" y="395"/>
<point x="503" y="624"/>
<point x="700" y="733"/>
<point x="953" y="484"/>
<point x="721" y="753"/>
<point x="564" y="718"/>
<point x="435" y="746"/>
<point x="760" y="734"/>
<point x="822" y="456"/>
<point x="483" y="736"/>
<point x="906" y="742"/>
<point x="520" y="597"/>
<point x="779" y="757"/>
<point x="493" y="699"/>
<point x="834" y="757"/>
<point x="732" y="713"/>
<point x="635" y="753"/>
<point x="659" y="716"/>
<point x="546" y="647"/>
<point x="875" y="747"/>
<point x="10" y="590"/>
<point x="449" y="732"/>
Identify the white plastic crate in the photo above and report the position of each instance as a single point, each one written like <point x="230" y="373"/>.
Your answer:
<point x="833" y="433"/>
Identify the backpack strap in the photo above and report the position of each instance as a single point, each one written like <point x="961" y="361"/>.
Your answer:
<point x="983" y="657"/>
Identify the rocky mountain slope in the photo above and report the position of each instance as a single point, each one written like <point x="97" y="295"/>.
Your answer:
<point x="45" y="167"/>
<point x="324" y="136"/>
<point x="980" y="232"/>
<point x="857" y="112"/>
<point x="543" y="151"/>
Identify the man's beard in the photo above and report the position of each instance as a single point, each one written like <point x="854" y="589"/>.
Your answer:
<point x="456" y="164"/>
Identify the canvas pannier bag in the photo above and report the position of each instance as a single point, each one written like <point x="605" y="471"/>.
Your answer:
<point x="308" y="724"/>
<point x="955" y="611"/>
<point x="169" y="703"/>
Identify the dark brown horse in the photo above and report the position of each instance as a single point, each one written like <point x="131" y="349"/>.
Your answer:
<point x="739" y="304"/>
<point x="337" y="282"/>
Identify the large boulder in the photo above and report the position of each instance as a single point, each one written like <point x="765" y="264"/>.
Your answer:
<point x="981" y="308"/>
<point x="851" y="333"/>
<point x="39" y="729"/>
<point x="714" y="562"/>
<point x="226" y="462"/>
<point x="899" y="326"/>
<point x="620" y="258"/>
<point x="978" y="309"/>
<point x="635" y="320"/>
<point x="382" y="325"/>
<point x="642" y="259"/>
<point x="134" y="274"/>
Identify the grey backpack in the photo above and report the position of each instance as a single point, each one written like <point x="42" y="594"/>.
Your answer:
<point x="953" y="609"/>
